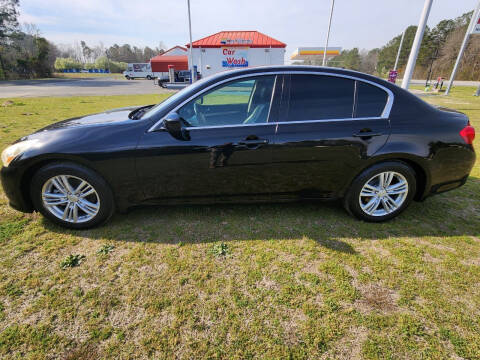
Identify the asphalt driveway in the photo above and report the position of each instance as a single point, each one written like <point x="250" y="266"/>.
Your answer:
<point x="77" y="87"/>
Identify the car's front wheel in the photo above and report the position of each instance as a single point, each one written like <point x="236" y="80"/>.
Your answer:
<point x="381" y="192"/>
<point x="72" y="195"/>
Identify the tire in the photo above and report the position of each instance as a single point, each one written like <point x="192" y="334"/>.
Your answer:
<point x="149" y="77"/>
<point x="51" y="197"/>
<point x="383" y="204"/>
<point x="127" y="77"/>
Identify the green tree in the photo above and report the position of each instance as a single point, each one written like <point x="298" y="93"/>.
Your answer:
<point x="8" y="28"/>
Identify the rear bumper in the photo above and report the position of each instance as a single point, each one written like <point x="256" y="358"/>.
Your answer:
<point x="447" y="186"/>
<point x="11" y="182"/>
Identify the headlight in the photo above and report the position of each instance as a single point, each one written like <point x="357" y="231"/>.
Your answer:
<point x="14" y="150"/>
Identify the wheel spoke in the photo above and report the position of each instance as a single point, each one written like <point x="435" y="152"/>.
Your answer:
<point x="66" y="184"/>
<point x="398" y="188"/>
<point x="51" y="199"/>
<point x="58" y="184"/>
<point x="66" y="212"/>
<point x="388" y="179"/>
<point x="87" y="207"/>
<point x="87" y="191"/>
<point x="381" y="180"/>
<point x="369" y="190"/>
<point x="372" y="205"/>
<point x="388" y="204"/>
<point x="75" y="212"/>
<point x="80" y="187"/>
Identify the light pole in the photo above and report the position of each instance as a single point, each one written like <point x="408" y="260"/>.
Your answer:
<point x="328" y="34"/>
<point x="190" y="55"/>
<point x="462" y="48"/>
<point x="412" y="59"/>
<point x="399" y="49"/>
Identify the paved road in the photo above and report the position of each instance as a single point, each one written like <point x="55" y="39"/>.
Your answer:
<point x="102" y="86"/>
<point x="77" y="87"/>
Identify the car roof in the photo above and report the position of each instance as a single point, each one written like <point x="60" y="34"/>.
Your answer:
<point x="302" y="68"/>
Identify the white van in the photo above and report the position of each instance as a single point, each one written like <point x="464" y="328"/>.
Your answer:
<point x="139" y="71"/>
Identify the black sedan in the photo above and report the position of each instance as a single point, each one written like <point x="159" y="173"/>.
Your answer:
<point x="262" y="134"/>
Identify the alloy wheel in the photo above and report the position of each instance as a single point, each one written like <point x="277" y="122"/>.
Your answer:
<point x="70" y="198"/>
<point x="383" y="193"/>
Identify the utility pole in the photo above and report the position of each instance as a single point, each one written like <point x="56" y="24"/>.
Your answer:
<point x="462" y="48"/>
<point x="328" y="34"/>
<point x="399" y="49"/>
<point x="190" y="55"/>
<point x="412" y="59"/>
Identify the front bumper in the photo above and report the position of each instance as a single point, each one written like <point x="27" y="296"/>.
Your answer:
<point x="12" y="186"/>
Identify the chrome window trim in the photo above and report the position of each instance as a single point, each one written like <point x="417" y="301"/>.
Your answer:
<point x="385" y="114"/>
<point x="284" y="122"/>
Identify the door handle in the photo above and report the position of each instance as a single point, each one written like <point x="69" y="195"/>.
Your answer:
<point x="366" y="134"/>
<point x="253" y="143"/>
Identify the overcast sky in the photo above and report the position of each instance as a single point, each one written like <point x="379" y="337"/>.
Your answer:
<point x="356" y="23"/>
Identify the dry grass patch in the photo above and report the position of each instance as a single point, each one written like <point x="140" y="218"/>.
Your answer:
<point x="375" y="297"/>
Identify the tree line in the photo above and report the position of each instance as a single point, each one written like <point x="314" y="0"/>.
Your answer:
<point x="24" y="53"/>
<point x="437" y="55"/>
<point x="115" y="58"/>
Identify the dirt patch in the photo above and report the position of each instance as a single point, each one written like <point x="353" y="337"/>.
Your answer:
<point x="267" y="284"/>
<point x="375" y="297"/>
<point x="431" y="259"/>
<point x="470" y="262"/>
<point x="436" y="246"/>
<point x="291" y="326"/>
<point x="349" y="347"/>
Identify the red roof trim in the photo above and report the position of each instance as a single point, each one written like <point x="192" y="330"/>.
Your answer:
<point x="253" y="39"/>
<point x="175" y="47"/>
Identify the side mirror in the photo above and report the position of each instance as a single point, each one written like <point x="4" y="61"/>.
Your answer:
<point x="174" y="124"/>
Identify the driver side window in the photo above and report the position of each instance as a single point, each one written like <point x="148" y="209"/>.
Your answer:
<point x="244" y="101"/>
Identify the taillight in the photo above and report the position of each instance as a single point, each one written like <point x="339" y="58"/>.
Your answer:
<point x="468" y="134"/>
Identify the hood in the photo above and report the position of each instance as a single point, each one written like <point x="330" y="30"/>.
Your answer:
<point x="104" y="118"/>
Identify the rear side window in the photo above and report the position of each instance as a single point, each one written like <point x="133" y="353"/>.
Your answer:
<point x="371" y="100"/>
<point x="318" y="97"/>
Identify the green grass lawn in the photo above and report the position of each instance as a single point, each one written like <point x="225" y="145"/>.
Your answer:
<point x="271" y="281"/>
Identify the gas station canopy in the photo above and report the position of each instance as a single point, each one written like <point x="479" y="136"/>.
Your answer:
<point x="303" y="53"/>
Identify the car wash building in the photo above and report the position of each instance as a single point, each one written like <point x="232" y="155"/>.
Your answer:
<point x="236" y="49"/>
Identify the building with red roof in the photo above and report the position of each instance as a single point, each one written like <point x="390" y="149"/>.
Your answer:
<point x="236" y="49"/>
<point x="160" y="63"/>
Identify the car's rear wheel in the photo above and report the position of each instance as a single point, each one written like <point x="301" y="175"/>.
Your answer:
<point x="149" y="77"/>
<point x="381" y="192"/>
<point x="72" y="195"/>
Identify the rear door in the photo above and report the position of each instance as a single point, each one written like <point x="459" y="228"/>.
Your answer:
<point x="330" y="125"/>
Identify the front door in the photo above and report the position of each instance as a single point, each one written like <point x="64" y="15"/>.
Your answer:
<point x="330" y="126"/>
<point x="228" y="152"/>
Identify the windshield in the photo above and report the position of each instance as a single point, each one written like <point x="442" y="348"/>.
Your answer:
<point x="186" y="92"/>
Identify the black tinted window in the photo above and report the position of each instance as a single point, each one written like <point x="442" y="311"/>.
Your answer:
<point x="371" y="100"/>
<point x="314" y="97"/>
